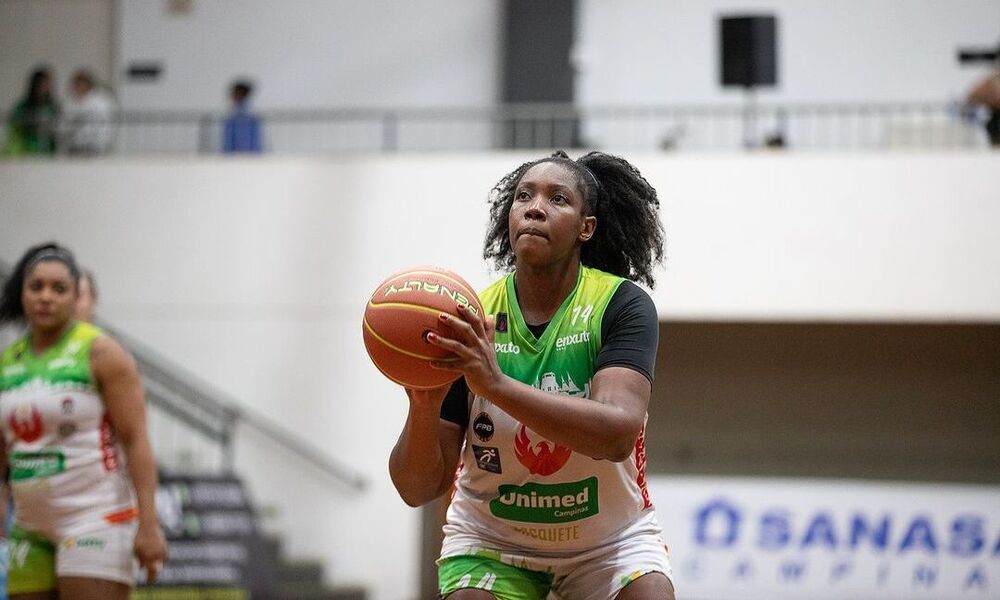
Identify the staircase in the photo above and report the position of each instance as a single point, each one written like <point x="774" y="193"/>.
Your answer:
<point x="303" y="580"/>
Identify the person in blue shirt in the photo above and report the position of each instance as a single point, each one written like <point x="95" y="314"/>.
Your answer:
<point x="241" y="130"/>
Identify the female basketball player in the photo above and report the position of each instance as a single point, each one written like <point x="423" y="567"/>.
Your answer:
<point x="74" y="428"/>
<point x="547" y="422"/>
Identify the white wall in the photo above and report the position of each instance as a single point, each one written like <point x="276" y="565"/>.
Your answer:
<point x="652" y="52"/>
<point x="64" y="34"/>
<point x="314" y="53"/>
<point x="322" y="53"/>
<point x="254" y="275"/>
<point x="646" y="52"/>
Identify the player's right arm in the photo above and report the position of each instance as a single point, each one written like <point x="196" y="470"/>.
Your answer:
<point x="423" y="462"/>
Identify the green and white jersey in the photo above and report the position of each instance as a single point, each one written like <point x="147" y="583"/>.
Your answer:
<point x="515" y="490"/>
<point x="66" y="467"/>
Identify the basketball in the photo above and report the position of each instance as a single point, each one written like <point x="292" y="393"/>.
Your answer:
<point x="403" y="309"/>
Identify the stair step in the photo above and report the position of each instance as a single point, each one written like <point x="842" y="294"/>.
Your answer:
<point x="271" y="548"/>
<point x="301" y="571"/>
<point x="348" y="592"/>
<point x="313" y="591"/>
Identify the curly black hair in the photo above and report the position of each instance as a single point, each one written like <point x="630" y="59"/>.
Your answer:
<point x="11" y="309"/>
<point x="628" y="240"/>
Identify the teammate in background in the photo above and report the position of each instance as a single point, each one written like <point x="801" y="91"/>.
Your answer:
<point x="73" y="418"/>
<point x="548" y="421"/>
<point x="87" y="300"/>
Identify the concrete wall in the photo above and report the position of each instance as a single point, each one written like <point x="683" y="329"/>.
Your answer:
<point x="63" y="34"/>
<point x="253" y="275"/>
<point x="314" y="53"/>
<point x="648" y="52"/>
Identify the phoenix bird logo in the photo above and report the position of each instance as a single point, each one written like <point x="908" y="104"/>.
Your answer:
<point x="540" y="458"/>
<point x="26" y="423"/>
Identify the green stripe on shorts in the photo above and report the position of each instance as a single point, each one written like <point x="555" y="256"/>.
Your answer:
<point x="31" y="563"/>
<point x="505" y="582"/>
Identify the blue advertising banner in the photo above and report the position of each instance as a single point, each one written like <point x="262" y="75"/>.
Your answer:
<point x="823" y="539"/>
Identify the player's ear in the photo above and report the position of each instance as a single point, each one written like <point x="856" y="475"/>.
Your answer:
<point x="588" y="228"/>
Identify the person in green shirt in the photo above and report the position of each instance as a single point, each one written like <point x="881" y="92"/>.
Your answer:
<point x="546" y="427"/>
<point x="31" y="126"/>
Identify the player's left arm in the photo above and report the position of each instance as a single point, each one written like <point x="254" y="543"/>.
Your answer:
<point x="120" y="386"/>
<point x="606" y="427"/>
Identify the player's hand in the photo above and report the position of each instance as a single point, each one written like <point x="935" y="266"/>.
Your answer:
<point x="151" y="549"/>
<point x="428" y="399"/>
<point x="472" y="343"/>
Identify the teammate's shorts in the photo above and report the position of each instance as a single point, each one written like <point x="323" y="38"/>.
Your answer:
<point x="105" y="552"/>
<point x="598" y="574"/>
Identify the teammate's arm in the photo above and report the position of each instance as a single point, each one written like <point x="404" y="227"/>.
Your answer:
<point x="423" y="462"/>
<point x="4" y="488"/>
<point x="120" y="387"/>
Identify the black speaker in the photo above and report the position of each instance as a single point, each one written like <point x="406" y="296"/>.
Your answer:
<point x="748" y="50"/>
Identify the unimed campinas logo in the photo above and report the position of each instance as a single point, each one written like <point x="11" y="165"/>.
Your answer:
<point x="547" y="503"/>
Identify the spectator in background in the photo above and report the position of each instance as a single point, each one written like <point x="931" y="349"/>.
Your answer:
<point x="87" y="299"/>
<point x="241" y="130"/>
<point x="987" y="93"/>
<point x="31" y="127"/>
<point x="89" y="116"/>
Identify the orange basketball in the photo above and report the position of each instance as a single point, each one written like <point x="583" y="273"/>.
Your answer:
<point x="403" y="309"/>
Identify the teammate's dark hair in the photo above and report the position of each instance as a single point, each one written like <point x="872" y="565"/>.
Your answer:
<point x="628" y="240"/>
<point x="11" y="309"/>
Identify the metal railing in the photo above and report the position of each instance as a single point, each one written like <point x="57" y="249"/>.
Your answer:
<point x="193" y="427"/>
<point x="662" y="127"/>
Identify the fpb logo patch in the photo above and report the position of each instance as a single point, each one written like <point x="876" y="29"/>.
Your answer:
<point x="483" y="427"/>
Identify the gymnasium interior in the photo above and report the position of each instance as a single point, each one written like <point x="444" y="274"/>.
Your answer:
<point x="825" y="415"/>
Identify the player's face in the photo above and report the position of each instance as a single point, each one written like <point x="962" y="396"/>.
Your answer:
<point x="49" y="295"/>
<point x="547" y="219"/>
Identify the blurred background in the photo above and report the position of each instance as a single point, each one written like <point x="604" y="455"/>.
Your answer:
<point x="240" y="175"/>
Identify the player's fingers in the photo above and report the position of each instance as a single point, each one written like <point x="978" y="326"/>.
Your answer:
<point x="472" y="319"/>
<point x="153" y="569"/>
<point x="446" y="365"/>
<point x="491" y="323"/>
<point x="462" y="329"/>
<point x="451" y="345"/>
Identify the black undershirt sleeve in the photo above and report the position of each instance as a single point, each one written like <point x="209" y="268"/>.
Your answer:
<point x="456" y="404"/>
<point x="630" y="332"/>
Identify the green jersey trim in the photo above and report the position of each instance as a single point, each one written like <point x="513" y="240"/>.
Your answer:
<point x="518" y="318"/>
<point x="66" y="365"/>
